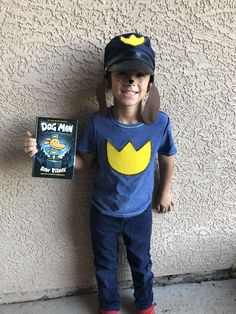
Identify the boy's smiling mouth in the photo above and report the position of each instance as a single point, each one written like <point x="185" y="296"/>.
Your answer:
<point x="129" y="92"/>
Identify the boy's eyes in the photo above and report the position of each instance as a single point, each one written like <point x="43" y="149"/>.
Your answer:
<point x="141" y="74"/>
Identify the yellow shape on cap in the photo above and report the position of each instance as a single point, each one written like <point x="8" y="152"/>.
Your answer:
<point x="129" y="161"/>
<point x="133" y="40"/>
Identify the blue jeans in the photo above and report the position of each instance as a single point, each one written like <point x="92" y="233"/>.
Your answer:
<point x="136" y="232"/>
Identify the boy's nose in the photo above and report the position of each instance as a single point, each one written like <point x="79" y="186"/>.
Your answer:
<point x="131" y="78"/>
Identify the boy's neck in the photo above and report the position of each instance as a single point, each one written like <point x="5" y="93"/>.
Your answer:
<point x="127" y="114"/>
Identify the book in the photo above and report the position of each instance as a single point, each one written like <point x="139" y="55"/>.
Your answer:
<point x="56" y="141"/>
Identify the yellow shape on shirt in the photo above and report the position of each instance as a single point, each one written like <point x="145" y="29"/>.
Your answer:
<point x="128" y="160"/>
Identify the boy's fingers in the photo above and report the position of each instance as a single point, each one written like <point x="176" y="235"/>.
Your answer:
<point x="30" y="149"/>
<point x="33" y="153"/>
<point x="162" y="209"/>
<point x="166" y="209"/>
<point x="29" y="134"/>
<point x="30" y="139"/>
<point x="30" y="142"/>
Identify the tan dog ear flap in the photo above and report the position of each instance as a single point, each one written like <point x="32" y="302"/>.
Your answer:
<point x="101" y="96"/>
<point x="152" y="105"/>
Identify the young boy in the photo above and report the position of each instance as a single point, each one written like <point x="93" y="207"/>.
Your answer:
<point x="124" y="141"/>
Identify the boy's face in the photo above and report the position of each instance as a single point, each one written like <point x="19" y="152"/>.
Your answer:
<point x="129" y="88"/>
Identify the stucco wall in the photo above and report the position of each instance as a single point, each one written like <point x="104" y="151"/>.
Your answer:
<point x="51" y="58"/>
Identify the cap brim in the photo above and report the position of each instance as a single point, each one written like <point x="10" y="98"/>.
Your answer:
<point x="132" y="65"/>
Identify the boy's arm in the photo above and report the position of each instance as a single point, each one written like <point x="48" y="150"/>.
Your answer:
<point x="164" y="200"/>
<point x="84" y="161"/>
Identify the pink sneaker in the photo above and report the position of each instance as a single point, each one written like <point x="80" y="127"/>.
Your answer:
<point x="149" y="310"/>
<point x="101" y="311"/>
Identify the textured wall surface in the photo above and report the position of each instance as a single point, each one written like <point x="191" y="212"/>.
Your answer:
<point x="51" y="57"/>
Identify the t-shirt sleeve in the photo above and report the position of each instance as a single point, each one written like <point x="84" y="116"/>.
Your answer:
<point x="167" y="146"/>
<point x="87" y="143"/>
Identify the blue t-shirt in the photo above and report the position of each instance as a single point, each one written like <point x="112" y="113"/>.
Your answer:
<point x="125" y="155"/>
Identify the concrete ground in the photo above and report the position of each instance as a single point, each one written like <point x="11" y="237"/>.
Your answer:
<point x="218" y="297"/>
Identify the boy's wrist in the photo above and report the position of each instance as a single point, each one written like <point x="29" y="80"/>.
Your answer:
<point x="164" y="190"/>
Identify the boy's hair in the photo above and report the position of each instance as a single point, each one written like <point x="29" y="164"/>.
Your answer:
<point x="130" y="52"/>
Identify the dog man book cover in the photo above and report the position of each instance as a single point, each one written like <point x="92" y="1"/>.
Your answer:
<point x="56" y="143"/>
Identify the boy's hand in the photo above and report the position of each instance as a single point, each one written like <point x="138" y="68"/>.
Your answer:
<point x="30" y="144"/>
<point x="164" y="202"/>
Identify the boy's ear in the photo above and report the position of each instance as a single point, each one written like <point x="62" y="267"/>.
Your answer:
<point x="152" y="105"/>
<point x="101" y="96"/>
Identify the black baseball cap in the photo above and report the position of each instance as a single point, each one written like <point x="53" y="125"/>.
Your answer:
<point x="129" y="52"/>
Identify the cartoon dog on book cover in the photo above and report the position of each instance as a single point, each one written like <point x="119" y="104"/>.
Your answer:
<point x="54" y="150"/>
